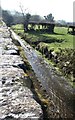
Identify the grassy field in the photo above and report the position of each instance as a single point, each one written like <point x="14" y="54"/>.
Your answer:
<point x="59" y="39"/>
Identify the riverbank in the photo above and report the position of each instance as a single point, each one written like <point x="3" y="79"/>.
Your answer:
<point x="57" y="88"/>
<point x="57" y="48"/>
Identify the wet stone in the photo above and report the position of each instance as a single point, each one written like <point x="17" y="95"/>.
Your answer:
<point x="16" y="100"/>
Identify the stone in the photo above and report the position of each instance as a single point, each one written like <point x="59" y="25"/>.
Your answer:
<point x="16" y="100"/>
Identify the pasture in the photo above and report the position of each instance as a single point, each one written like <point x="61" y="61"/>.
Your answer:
<point x="59" y="39"/>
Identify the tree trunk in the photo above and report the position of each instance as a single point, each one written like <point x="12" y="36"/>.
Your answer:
<point x="25" y="26"/>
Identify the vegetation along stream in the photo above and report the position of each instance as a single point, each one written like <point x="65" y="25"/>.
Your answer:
<point x="47" y="49"/>
<point x="54" y="91"/>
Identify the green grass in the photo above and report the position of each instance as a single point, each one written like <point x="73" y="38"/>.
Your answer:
<point x="60" y="33"/>
<point x="18" y="28"/>
<point x="59" y="39"/>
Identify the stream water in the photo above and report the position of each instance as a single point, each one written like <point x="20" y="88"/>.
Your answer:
<point x="56" y="85"/>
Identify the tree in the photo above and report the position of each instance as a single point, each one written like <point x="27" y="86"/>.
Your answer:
<point x="62" y="22"/>
<point x="36" y="18"/>
<point x="49" y="18"/>
<point x="18" y="18"/>
<point x="7" y="17"/>
<point x="26" y="18"/>
<point x="26" y="21"/>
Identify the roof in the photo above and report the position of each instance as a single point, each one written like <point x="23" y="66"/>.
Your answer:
<point x="44" y="22"/>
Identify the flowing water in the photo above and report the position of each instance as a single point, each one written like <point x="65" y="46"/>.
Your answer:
<point x="56" y="85"/>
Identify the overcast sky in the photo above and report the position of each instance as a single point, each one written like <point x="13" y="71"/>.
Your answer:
<point x="61" y="9"/>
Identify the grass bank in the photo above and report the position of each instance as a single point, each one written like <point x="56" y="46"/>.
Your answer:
<point x="57" y="47"/>
<point x="59" y="38"/>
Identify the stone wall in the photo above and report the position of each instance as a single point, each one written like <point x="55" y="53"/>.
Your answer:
<point x="16" y="100"/>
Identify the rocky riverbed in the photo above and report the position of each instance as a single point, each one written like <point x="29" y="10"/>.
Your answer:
<point x="16" y="99"/>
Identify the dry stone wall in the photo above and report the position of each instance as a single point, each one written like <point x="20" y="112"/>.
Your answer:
<point x="16" y="100"/>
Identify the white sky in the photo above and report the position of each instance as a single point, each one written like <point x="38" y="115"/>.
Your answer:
<point x="61" y="9"/>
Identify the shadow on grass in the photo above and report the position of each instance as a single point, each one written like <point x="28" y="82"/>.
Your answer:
<point x="42" y="38"/>
<point x="72" y="33"/>
<point x="37" y="32"/>
<point x="58" y="33"/>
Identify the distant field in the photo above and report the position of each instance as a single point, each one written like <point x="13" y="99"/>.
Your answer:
<point x="59" y="39"/>
<point x="66" y="40"/>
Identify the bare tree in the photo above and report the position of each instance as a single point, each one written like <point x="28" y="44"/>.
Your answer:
<point x="26" y="18"/>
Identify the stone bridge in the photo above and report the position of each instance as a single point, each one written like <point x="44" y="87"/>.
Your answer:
<point x="49" y="26"/>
